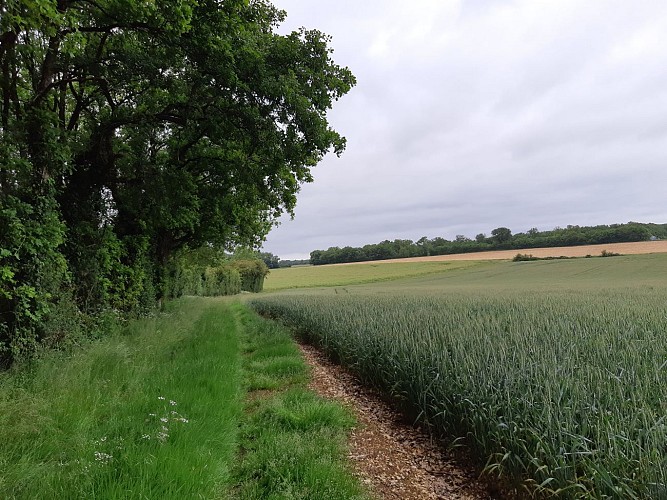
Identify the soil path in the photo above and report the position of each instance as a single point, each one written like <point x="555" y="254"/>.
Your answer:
<point x="395" y="460"/>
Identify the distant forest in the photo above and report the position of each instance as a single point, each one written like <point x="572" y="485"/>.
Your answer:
<point x="500" y="239"/>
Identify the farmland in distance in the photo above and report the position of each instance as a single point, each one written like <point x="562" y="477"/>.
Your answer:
<point x="553" y="372"/>
<point x="342" y="275"/>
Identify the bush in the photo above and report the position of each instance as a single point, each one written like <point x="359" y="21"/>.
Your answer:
<point x="222" y="280"/>
<point x="33" y="274"/>
<point x="213" y="277"/>
<point x="521" y="257"/>
<point x="252" y="274"/>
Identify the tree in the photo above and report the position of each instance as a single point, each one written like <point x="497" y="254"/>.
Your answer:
<point x="316" y="257"/>
<point x="271" y="261"/>
<point x="130" y="130"/>
<point x="424" y="246"/>
<point x="501" y="235"/>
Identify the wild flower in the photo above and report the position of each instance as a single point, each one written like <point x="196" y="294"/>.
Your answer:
<point x="102" y="457"/>
<point x="101" y="440"/>
<point x="165" y="418"/>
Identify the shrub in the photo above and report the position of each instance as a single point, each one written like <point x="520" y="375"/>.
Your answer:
<point x="33" y="273"/>
<point x="252" y="274"/>
<point x="521" y="257"/>
<point x="222" y="280"/>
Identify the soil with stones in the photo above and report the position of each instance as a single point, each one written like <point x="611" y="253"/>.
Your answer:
<point x="393" y="459"/>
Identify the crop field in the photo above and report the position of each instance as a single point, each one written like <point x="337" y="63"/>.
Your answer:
<point x="342" y="275"/>
<point x="553" y="372"/>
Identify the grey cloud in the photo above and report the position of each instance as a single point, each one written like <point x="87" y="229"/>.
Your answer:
<point x="490" y="113"/>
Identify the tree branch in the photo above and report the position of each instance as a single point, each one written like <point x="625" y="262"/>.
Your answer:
<point x="7" y="40"/>
<point x="145" y="27"/>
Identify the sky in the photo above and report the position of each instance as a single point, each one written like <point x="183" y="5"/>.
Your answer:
<point x="470" y="115"/>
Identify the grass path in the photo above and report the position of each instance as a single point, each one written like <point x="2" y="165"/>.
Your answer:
<point x="159" y="410"/>
<point x="293" y="442"/>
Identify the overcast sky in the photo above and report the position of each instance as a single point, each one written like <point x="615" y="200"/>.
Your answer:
<point x="474" y="114"/>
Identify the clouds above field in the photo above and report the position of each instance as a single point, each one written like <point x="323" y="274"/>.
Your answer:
<point x="474" y="114"/>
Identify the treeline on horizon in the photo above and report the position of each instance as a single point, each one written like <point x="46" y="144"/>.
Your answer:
<point x="501" y="238"/>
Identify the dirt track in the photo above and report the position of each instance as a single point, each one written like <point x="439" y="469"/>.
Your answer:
<point x="396" y="461"/>
<point x="642" y="247"/>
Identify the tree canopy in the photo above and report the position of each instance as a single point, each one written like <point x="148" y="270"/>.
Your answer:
<point x="132" y="129"/>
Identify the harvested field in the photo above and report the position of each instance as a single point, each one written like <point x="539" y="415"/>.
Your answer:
<point x="635" y="248"/>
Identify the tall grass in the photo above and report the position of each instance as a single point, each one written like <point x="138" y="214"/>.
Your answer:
<point x="566" y="391"/>
<point x="149" y="413"/>
<point x="158" y="410"/>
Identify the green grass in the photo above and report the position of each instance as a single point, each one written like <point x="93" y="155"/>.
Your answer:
<point x="554" y="372"/>
<point x="626" y="271"/>
<point x="353" y="274"/>
<point x="159" y="410"/>
<point x="293" y="442"/>
<point x="580" y="273"/>
<point x="151" y="412"/>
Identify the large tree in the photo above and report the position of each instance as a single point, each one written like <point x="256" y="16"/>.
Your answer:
<point x="132" y="128"/>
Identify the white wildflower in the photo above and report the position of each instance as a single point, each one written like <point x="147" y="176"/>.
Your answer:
<point x="103" y="457"/>
<point x="100" y="440"/>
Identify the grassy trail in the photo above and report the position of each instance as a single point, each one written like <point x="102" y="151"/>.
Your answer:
<point x="159" y="410"/>
<point x="292" y="441"/>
